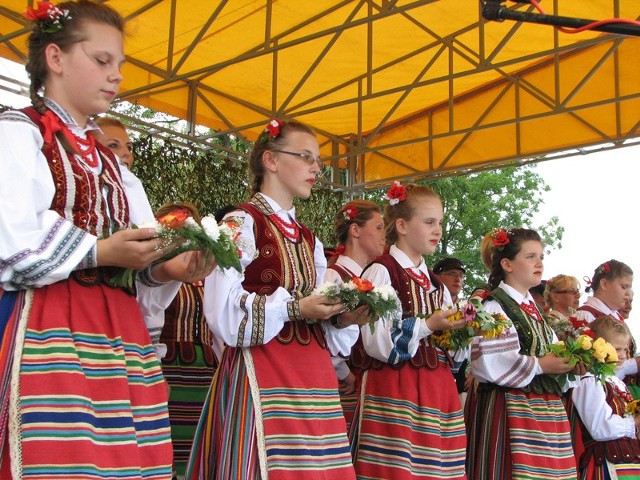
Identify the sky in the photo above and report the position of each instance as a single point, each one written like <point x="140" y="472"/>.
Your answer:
<point x="595" y="196"/>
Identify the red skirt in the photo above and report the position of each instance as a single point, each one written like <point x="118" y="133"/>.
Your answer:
<point x="89" y="400"/>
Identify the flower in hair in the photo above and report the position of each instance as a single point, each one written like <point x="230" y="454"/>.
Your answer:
<point x="271" y="131"/>
<point x="500" y="238"/>
<point x="604" y="269"/>
<point x="349" y="212"/>
<point x="397" y="193"/>
<point x="47" y="16"/>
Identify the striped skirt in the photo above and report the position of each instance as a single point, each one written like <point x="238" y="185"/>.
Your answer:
<point x="609" y="471"/>
<point x="273" y="412"/>
<point x="518" y="435"/>
<point x="87" y="399"/>
<point x="410" y="425"/>
<point x="189" y="384"/>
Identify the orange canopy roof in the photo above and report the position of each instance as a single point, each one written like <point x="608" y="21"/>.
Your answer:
<point x="395" y="89"/>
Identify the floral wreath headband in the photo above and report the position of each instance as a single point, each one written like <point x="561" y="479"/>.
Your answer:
<point x="397" y="193"/>
<point x="271" y="131"/>
<point x="47" y="16"/>
<point x="500" y="238"/>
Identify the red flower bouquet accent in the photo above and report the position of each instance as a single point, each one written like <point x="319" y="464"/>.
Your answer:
<point x="271" y="131"/>
<point x="397" y="193"/>
<point x="501" y="239"/>
<point x="175" y="220"/>
<point x="363" y="285"/>
<point x="47" y="16"/>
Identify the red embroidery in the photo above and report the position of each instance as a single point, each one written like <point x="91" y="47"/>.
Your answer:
<point x="421" y="278"/>
<point x="531" y="309"/>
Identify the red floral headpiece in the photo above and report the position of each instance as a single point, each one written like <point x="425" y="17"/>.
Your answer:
<point x="271" y="131"/>
<point x="47" y="16"/>
<point x="604" y="269"/>
<point x="397" y="193"/>
<point x="500" y="238"/>
<point x="349" y="212"/>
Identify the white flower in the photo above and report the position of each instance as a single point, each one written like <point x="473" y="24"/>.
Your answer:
<point x="393" y="201"/>
<point x="151" y="224"/>
<point x="349" y="285"/>
<point x="324" y="289"/>
<point x="191" y="223"/>
<point x="386" y="292"/>
<point x="211" y="228"/>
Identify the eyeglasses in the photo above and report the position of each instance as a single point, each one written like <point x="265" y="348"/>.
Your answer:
<point x="454" y="274"/>
<point x="307" y="157"/>
<point x="572" y="292"/>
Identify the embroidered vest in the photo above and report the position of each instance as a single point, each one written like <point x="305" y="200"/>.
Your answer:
<point x="415" y="301"/>
<point x="534" y="336"/>
<point x="185" y="327"/>
<point x="94" y="202"/>
<point x="620" y="450"/>
<point x="282" y="263"/>
<point x="345" y="275"/>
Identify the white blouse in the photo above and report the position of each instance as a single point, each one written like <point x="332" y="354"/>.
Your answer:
<point x="590" y="400"/>
<point x="228" y="307"/>
<point x="31" y="232"/>
<point x="498" y="360"/>
<point x="383" y="342"/>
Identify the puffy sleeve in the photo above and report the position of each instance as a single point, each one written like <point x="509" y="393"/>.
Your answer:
<point x="392" y="341"/>
<point x="38" y="246"/>
<point x="498" y="360"/>
<point x="590" y="401"/>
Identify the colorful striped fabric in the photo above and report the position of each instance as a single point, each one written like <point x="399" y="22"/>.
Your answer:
<point x="411" y="425"/>
<point x="92" y="399"/>
<point x="518" y="435"/>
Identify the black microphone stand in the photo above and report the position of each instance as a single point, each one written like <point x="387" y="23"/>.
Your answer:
<point x="495" y="10"/>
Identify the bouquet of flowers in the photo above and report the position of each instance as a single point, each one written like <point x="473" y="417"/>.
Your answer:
<point x="382" y="301"/>
<point x="598" y="356"/>
<point x="219" y="240"/>
<point x="633" y="407"/>
<point x="478" y="322"/>
<point x="569" y="327"/>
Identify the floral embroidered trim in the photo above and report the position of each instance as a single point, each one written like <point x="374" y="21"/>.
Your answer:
<point x="47" y="16"/>
<point x="397" y="193"/>
<point x="271" y="131"/>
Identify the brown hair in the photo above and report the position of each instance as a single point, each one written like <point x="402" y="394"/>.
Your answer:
<point x="486" y="250"/>
<point x="109" y="122"/>
<point x="610" y="271"/>
<point x="173" y="206"/>
<point x="364" y="212"/>
<point x="256" y="167"/>
<point x="405" y="209"/>
<point x="517" y="236"/>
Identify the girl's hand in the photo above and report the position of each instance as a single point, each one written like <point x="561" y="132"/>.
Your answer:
<point x="551" y="363"/>
<point x="319" y="307"/>
<point x="133" y="248"/>
<point x="439" y="320"/>
<point x="187" y="267"/>
<point x="359" y="316"/>
<point x="347" y="385"/>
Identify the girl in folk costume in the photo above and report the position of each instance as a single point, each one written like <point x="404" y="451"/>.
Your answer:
<point x="359" y="230"/>
<point x="82" y="391"/>
<point x="409" y="419"/>
<point x="517" y="425"/>
<point x="609" y="432"/>
<point x="274" y="409"/>
<point x="611" y="286"/>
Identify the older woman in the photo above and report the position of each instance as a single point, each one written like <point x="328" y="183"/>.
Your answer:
<point x="562" y="296"/>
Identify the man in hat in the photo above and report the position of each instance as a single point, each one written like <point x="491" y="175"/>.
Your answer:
<point x="451" y="272"/>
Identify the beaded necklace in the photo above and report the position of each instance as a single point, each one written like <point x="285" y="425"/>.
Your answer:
<point x="289" y="229"/>
<point x="86" y="148"/>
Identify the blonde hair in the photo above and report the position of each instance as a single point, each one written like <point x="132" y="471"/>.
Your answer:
<point x="559" y="282"/>
<point x="607" y="325"/>
<point x="405" y="209"/>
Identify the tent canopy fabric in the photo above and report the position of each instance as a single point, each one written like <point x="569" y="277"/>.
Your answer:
<point x="395" y="89"/>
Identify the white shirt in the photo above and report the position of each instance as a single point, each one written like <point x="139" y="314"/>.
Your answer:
<point x="227" y="304"/>
<point x="498" y="360"/>
<point x="590" y="400"/>
<point x="598" y="305"/>
<point x="382" y="342"/>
